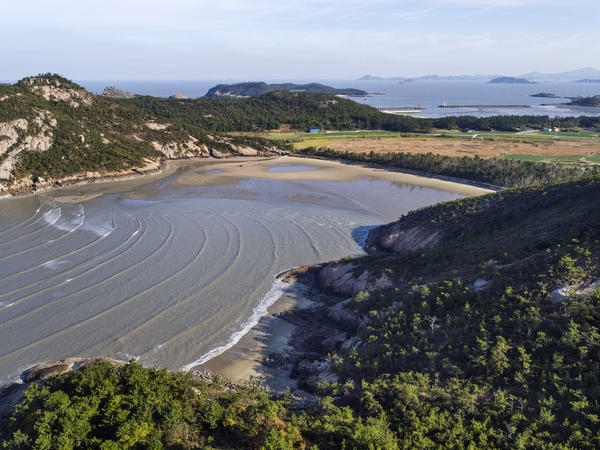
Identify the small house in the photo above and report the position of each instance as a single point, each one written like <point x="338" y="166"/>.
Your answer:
<point x="314" y="130"/>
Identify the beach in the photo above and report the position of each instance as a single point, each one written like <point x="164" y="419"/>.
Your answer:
<point x="180" y="268"/>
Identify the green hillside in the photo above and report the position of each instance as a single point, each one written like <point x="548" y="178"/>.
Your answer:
<point x="51" y="128"/>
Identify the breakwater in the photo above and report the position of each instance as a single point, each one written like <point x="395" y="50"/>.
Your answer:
<point x="484" y="106"/>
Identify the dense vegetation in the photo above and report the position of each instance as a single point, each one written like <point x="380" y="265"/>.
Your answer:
<point x="442" y="363"/>
<point x="253" y="89"/>
<point x="497" y="172"/>
<point x="301" y="111"/>
<point x="502" y="366"/>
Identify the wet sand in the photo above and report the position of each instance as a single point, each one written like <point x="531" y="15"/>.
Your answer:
<point x="228" y="172"/>
<point x="182" y="274"/>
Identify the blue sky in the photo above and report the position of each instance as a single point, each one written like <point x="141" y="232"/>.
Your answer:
<point x="290" y="39"/>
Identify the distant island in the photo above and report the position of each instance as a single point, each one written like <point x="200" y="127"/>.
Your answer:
<point x="253" y="89"/>
<point x="511" y="80"/>
<point x="430" y="78"/>
<point x="579" y="75"/>
<point x="593" y="102"/>
<point x="545" y="95"/>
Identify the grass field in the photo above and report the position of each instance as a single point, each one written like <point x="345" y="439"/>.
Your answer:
<point x="572" y="147"/>
<point x="533" y="136"/>
<point x="595" y="158"/>
<point x="549" y="159"/>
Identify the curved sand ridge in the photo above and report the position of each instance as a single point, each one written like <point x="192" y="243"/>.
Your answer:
<point x="175" y="268"/>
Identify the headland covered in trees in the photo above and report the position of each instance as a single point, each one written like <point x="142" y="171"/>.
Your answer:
<point x="472" y="323"/>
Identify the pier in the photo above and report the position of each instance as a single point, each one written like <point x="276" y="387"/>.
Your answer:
<point x="484" y="106"/>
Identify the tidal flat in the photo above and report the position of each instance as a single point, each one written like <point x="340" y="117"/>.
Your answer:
<point x="174" y="268"/>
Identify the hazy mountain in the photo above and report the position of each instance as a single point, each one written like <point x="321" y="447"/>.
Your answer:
<point x="431" y="78"/>
<point x="573" y="75"/>
<point x="585" y="73"/>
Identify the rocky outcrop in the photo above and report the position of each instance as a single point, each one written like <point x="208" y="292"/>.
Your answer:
<point x="178" y="95"/>
<point x="15" y="137"/>
<point x="394" y="238"/>
<point x="175" y="150"/>
<point x="241" y="150"/>
<point x="156" y="126"/>
<point x="53" y="90"/>
<point x="113" y="92"/>
<point x="346" y="319"/>
<point x="562" y="293"/>
<point x="311" y="373"/>
<point x="340" y="279"/>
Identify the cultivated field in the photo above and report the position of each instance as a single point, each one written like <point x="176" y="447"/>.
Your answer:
<point x="558" y="147"/>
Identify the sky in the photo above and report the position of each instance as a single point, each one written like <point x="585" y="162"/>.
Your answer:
<point x="295" y="40"/>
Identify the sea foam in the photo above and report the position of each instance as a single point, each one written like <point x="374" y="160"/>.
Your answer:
<point x="259" y="311"/>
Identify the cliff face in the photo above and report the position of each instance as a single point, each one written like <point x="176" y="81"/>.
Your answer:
<point x="84" y="134"/>
<point x="347" y="279"/>
<point x="396" y="238"/>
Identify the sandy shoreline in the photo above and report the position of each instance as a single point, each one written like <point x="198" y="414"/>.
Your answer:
<point x="242" y="362"/>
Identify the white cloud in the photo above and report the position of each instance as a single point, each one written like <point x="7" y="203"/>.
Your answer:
<point x="185" y="38"/>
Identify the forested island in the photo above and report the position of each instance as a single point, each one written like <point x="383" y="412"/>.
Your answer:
<point x="253" y="89"/>
<point x="511" y="80"/>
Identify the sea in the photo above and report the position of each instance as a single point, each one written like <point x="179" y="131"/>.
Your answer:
<point x="427" y="94"/>
<point x="172" y="269"/>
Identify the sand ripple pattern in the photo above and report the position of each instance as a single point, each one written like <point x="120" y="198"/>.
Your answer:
<point x="172" y="279"/>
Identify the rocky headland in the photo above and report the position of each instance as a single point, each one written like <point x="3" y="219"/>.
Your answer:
<point x="328" y="324"/>
<point x="55" y="133"/>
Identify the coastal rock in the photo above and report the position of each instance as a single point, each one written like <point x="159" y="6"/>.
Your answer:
<point x="243" y="151"/>
<point x="217" y="154"/>
<point x="176" y="150"/>
<point x="339" y="279"/>
<point x="393" y="238"/>
<point x="346" y="318"/>
<point x="351" y="344"/>
<point x="310" y="374"/>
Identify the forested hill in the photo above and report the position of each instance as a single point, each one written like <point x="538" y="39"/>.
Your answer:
<point x="299" y="110"/>
<point x="302" y="111"/>
<point x="253" y="89"/>
<point x="485" y="336"/>
<point x="52" y="129"/>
